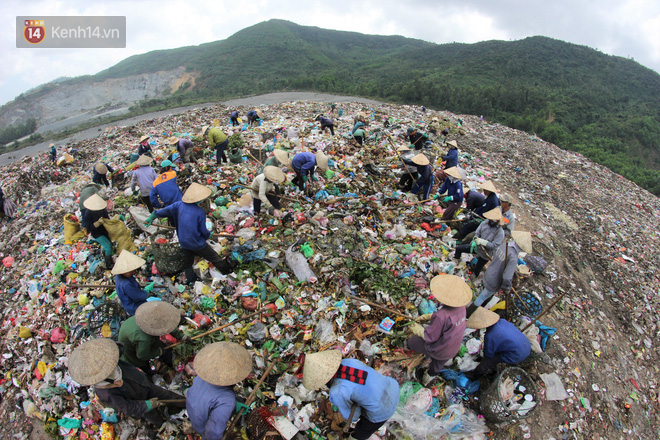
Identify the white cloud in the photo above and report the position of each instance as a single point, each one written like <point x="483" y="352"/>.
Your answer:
<point x="624" y="28"/>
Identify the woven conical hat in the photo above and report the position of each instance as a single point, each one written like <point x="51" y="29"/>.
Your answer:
<point x="172" y="140"/>
<point x="95" y="203"/>
<point x="523" y="239"/>
<point x="320" y="368"/>
<point x="144" y="160"/>
<point x="494" y="214"/>
<point x="204" y="128"/>
<point x="282" y="156"/>
<point x="101" y="168"/>
<point x="451" y="290"/>
<point x="144" y="138"/>
<point x="196" y="193"/>
<point x="453" y="143"/>
<point x="216" y="122"/>
<point x="322" y="160"/>
<point x="420" y="159"/>
<point x="127" y="262"/>
<point x="157" y="318"/>
<point x="488" y="186"/>
<point x="403" y="148"/>
<point x="223" y="363"/>
<point x="453" y="172"/>
<point x="260" y="113"/>
<point x="93" y="361"/>
<point x="482" y="318"/>
<point x="274" y="174"/>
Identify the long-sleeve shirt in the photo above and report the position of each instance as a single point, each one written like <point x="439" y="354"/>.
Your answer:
<point x="183" y="145"/>
<point x="491" y="202"/>
<point x="209" y="408"/>
<point x="130" y="293"/>
<point x="271" y="161"/>
<point x="260" y="187"/>
<point x="234" y="114"/>
<point x="377" y="398"/>
<point x="360" y="133"/>
<point x="139" y="347"/>
<point x="325" y="122"/>
<point x="407" y="155"/>
<point x="503" y="339"/>
<point x="191" y="224"/>
<point x="143" y="177"/>
<point x="88" y="218"/>
<point x="99" y="178"/>
<point x="444" y="334"/>
<point x="454" y="189"/>
<point x="493" y="234"/>
<point x="474" y="199"/>
<point x="131" y="396"/>
<point x="501" y="269"/>
<point x="304" y="163"/>
<point x="164" y="190"/>
<point x="425" y="172"/>
<point x="509" y="222"/>
<point x="451" y="158"/>
<point x="251" y="114"/>
<point x="357" y="125"/>
<point x="418" y="139"/>
<point x="144" y="148"/>
<point x="216" y="136"/>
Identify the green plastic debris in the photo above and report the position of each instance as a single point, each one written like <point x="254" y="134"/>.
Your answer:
<point x="306" y="250"/>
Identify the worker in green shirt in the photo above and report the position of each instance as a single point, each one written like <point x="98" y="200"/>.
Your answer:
<point x="218" y="139"/>
<point x="279" y="159"/>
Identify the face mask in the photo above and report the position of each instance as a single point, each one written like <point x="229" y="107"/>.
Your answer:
<point x="493" y="223"/>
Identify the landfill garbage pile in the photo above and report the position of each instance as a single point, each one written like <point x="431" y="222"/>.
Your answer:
<point x="348" y="266"/>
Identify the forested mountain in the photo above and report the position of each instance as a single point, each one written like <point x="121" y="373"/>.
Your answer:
<point x="606" y="107"/>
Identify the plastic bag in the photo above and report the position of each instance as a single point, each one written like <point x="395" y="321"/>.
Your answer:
<point x="324" y="332"/>
<point x="298" y="263"/>
<point x="454" y="422"/>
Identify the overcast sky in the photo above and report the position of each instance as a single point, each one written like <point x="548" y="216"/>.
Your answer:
<point x="627" y="28"/>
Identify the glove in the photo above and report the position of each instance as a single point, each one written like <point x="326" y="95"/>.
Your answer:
<point x="417" y="330"/>
<point x="436" y="197"/>
<point x="186" y="339"/>
<point x="314" y="178"/>
<point x="473" y="246"/>
<point x="305" y="179"/>
<point x="153" y="298"/>
<point x="149" y="287"/>
<point x="153" y="404"/>
<point x="97" y="223"/>
<point x="448" y="199"/>
<point x="150" y="219"/>
<point x="240" y="405"/>
<point x="481" y="241"/>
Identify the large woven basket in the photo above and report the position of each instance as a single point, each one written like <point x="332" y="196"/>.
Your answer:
<point x="169" y="257"/>
<point x="494" y="408"/>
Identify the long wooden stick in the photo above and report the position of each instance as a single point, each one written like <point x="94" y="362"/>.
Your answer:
<point x="397" y="153"/>
<point x="100" y="286"/>
<point x="545" y="311"/>
<point x="249" y="400"/>
<point x="378" y="306"/>
<point x="219" y="235"/>
<point x="258" y="161"/>
<point x="222" y="326"/>
<point x="350" y="419"/>
<point x="172" y="400"/>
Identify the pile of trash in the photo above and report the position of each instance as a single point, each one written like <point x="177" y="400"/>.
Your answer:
<point x="347" y="266"/>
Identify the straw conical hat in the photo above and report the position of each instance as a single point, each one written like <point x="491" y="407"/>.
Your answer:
<point x="403" y="148"/>
<point x="196" y="193"/>
<point x="204" y="128"/>
<point x="488" y="186"/>
<point x="143" y="160"/>
<point x="93" y="361"/>
<point x="420" y="159"/>
<point x="51" y="145"/>
<point x="282" y="156"/>
<point x="127" y="262"/>
<point x="274" y="174"/>
<point x="216" y="122"/>
<point x="144" y="138"/>
<point x="95" y="203"/>
<point x="523" y="239"/>
<point x="320" y="368"/>
<point x="482" y="318"/>
<point x="223" y="363"/>
<point x="453" y="143"/>
<point x="322" y="160"/>
<point x="101" y="168"/>
<point x="451" y="290"/>
<point x="260" y="113"/>
<point x="172" y="140"/>
<point x="494" y="214"/>
<point x="157" y="318"/>
<point x="453" y="172"/>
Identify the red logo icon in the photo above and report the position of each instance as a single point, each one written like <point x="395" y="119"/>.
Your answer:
<point x="34" y="31"/>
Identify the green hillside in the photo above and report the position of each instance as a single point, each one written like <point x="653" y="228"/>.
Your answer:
<point x="602" y="106"/>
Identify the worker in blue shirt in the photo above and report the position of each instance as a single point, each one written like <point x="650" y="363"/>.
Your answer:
<point x="454" y="189"/>
<point x="53" y="153"/>
<point x="165" y="190"/>
<point x="191" y="229"/>
<point x="503" y="342"/>
<point x="304" y="165"/>
<point x="100" y="173"/>
<point x="128" y="290"/>
<point x="211" y="401"/>
<point x="425" y="181"/>
<point x="253" y="117"/>
<point x="234" y="118"/>
<point x="491" y="202"/>
<point x="353" y="383"/>
<point x="326" y="123"/>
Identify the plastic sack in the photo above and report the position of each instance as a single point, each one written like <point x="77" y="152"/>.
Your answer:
<point x="298" y="263"/>
<point x="427" y="306"/>
<point x="72" y="229"/>
<point x="454" y="422"/>
<point x="140" y="214"/>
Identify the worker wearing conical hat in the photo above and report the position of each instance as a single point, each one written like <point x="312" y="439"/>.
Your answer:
<point x="326" y="122"/>
<point x="253" y="117"/>
<point x="353" y="383"/>
<point x="410" y="173"/>
<point x="184" y="147"/>
<point x="453" y="186"/>
<point x="191" y="229"/>
<point x="165" y="190"/>
<point x="211" y="400"/>
<point x="118" y="384"/>
<point x="144" y="148"/>
<point x="279" y="159"/>
<point x="100" y="173"/>
<point x="140" y="334"/>
<point x="503" y="342"/>
<point x="508" y="216"/>
<point x="499" y="274"/>
<point x="491" y="202"/>
<point x="265" y="188"/>
<point x="130" y="294"/>
<point x="424" y="183"/>
<point x="487" y="238"/>
<point x="143" y="176"/>
<point x="95" y="208"/>
<point x="442" y="338"/>
<point x="304" y="164"/>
